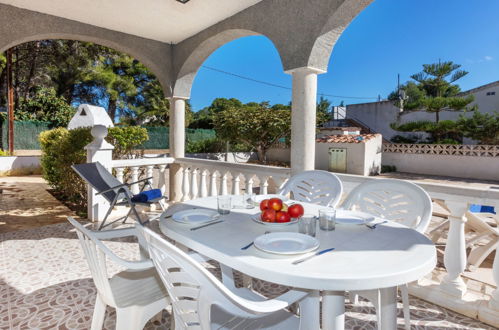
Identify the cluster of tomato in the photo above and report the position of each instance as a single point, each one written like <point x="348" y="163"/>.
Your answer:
<point x="274" y="210"/>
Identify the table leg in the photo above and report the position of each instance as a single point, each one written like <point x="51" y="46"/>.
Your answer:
<point x="310" y="311"/>
<point x="388" y="303"/>
<point x="333" y="310"/>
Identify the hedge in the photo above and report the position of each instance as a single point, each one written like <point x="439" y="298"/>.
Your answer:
<point x="62" y="148"/>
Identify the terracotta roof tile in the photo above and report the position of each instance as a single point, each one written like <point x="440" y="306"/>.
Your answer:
<point x="346" y="138"/>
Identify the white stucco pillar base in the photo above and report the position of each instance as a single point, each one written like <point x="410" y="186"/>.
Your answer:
<point x="99" y="150"/>
<point x="177" y="145"/>
<point x="303" y="118"/>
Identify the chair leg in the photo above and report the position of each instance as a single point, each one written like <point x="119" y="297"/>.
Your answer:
<point x="129" y="318"/>
<point x="404" y="292"/>
<point x="99" y="314"/>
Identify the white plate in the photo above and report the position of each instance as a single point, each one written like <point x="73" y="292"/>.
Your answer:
<point x="345" y="217"/>
<point x="259" y="198"/>
<point x="194" y="216"/>
<point x="286" y="243"/>
<point x="256" y="218"/>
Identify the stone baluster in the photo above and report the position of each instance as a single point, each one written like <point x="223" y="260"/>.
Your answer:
<point x="135" y="177"/>
<point x="494" y="300"/>
<point x="203" y="183"/>
<point x="263" y="185"/>
<point x="235" y="183"/>
<point x="149" y="169"/>
<point x="455" y="251"/>
<point x="161" y="180"/>
<point x="185" y="185"/>
<point x="223" y="188"/>
<point x="119" y="173"/>
<point x="249" y="183"/>
<point x="213" y="183"/>
<point x="194" y="183"/>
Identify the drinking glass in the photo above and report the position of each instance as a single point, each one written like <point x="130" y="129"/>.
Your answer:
<point x="307" y="224"/>
<point x="249" y="201"/>
<point x="327" y="219"/>
<point x="224" y="204"/>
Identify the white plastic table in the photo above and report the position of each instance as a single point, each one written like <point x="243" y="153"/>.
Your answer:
<point x="363" y="259"/>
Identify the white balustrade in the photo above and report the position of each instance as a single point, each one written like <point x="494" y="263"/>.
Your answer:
<point x="224" y="178"/>
<point x="142" y="168"/>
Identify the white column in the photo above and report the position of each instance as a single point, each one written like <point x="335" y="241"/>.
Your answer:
<point x="455" y="251"/>
<point x="177" y="145"/>
<point x="303" y="118"/>
<point x="99" y="150"/>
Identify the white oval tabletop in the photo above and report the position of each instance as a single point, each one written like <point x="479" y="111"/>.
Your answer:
<point x="363" y="259"/>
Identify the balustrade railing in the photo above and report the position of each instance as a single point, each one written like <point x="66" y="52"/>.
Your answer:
<point x="142" y="167"/>
<point x="203" y="178"/>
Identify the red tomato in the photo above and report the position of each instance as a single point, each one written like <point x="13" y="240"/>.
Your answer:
<point x="268" y="215"/>
<point x="264" y="204"/>
<point x="282" y="217"/>
<point x="275" y="204"/>
<point x="295" y="211"/>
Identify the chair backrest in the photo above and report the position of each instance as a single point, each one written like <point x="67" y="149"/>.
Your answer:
<point x="316" y="187"/>
<point x="96" y="175"/>
<point x="94" y="251"/>
<point x="192" y="289"/>
<point x="392" y="199"/>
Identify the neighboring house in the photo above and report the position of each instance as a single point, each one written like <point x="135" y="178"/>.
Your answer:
<point x="379" y="115"/>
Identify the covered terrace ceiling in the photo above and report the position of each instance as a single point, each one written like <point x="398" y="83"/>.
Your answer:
<point x="167" y="21"/>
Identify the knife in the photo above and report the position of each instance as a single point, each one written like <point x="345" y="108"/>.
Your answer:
<point x="296" y="262"/>
<point x="208" y="224"/>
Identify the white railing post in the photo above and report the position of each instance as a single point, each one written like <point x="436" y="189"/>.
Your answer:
<point x="249" y="183"/>
<point x="494" y="300"/>
<point x="185" y="185"/>
<point x="194" y="183"/>
<point x="223" y="188"/>
<point x="235" y="183"/>
<point x="161" y="179"/>
<point x="149" y="169"/>
<point x="119" y="173"/>
<point x="213" y="183"/>
<point x="203" y="183"/>
<point x="135" y="177"/>
<point x="263" y="185"/>
<point x="98" y="151"/>
<point x="455" y="251"/>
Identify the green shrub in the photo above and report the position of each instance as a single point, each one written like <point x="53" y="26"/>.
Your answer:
<point x="214" y="145"/>
<point x="62" y="148"/>
<point x="388" y="168"/>
<point x="4" y="153"/>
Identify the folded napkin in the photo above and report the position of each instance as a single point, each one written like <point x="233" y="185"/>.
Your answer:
<point x="476" y="208"/>
<point x="147" y="196"/>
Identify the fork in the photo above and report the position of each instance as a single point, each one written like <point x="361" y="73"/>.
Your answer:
<point x="374" y="226"/>
<point x="251" y="244"/>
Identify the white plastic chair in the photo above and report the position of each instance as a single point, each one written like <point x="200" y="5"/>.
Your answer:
<point x="395" y="200"/>
<point x="201" y="301"/>
<point x="137" y="293"/>
<point x="316" y="187"/>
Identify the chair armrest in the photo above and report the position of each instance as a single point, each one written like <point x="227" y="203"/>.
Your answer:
<point x="272" y="305"/>
<point x="116" y="233"/>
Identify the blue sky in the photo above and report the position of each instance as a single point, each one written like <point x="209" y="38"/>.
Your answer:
<point x="388" y="37"/>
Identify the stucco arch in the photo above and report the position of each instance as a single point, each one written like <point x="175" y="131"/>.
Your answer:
<point x="189" y="68"/>
<point x="337" y="23"/>
<point x="18" y="26"/>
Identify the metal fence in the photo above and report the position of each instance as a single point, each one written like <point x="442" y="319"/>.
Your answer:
<point x="26" y="135"/>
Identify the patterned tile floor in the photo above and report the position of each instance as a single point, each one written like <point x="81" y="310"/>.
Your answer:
<point x="45" y="284"/>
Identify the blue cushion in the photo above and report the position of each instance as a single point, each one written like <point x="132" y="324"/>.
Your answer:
<point x="147" y="196"/>
<point x="476" y="208"/>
